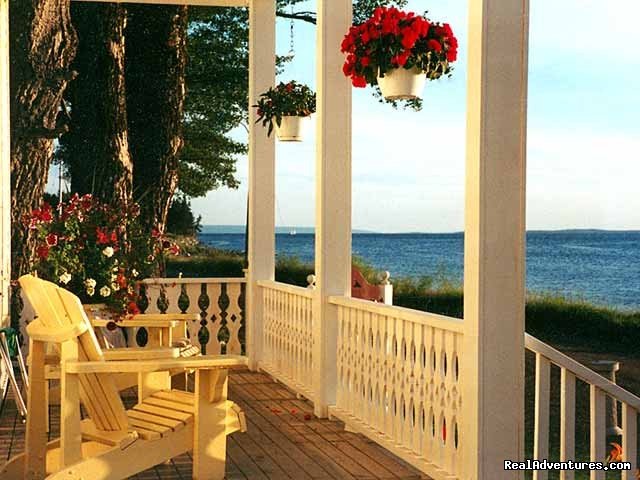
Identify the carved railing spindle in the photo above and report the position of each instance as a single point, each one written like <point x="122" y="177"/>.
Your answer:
<point x="203" y="304"/>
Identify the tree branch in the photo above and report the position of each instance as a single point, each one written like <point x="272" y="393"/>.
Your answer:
<point x="308" y="17"/>
<point x="48" y="133"/>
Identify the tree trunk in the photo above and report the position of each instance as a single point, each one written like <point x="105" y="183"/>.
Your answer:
<point x="96" y="149"/>
<point x="155" y="75"/>
<point x="43" y="45"/>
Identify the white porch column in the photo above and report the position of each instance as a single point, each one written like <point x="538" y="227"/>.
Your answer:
<point x="261" y="245"/>
<point x="494" y="269"/>
<point x="333" y="194"/>
<point x="5" y="169"/>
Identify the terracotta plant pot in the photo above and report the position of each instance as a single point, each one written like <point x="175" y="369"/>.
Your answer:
<point x="402" y="84"/>
<point x="292" y="129"/>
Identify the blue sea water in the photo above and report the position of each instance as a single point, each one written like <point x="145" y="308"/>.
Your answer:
<point x="602" y="267"/>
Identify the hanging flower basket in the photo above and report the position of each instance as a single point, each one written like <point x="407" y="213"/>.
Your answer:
<point x="287" y="108"/>
<point x="398" y="51"/>
<point x="292" y="128"/>
<point x="402" y="84"/>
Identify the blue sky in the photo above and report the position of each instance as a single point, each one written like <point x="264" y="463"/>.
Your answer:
<point x="408" y="168"/>
<point x="584" y="132"/>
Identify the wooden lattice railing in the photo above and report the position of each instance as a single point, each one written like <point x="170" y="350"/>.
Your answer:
<point x="399" y="381"/>
<point x="288" y="334"/>
<point x="600" y="388"/>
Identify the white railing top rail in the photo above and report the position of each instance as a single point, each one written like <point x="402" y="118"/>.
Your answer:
<point x="191" y="280"/>
<point x="423" y="318"/>
<point x="580" y="371"/>
<point x="286" y="288"/>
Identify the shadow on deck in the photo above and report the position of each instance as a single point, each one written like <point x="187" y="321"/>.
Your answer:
<point x="284" y="440"/>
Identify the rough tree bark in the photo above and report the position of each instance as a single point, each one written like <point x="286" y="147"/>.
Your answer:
<point x="96" y="149"/>
<point x="43" y="45"/>
<point x="155" y="75"/>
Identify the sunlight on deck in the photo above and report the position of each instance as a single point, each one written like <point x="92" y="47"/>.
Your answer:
<point x="284" y="440"/>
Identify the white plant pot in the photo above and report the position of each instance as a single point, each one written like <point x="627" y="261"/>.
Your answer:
<point x="402" y="84"/>
<point x="292" y="129"/>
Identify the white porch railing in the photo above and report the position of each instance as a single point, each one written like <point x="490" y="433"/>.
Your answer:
<point x="219" y="301"/>
<point x="399" y="382"/>
<point x="288" y="335"/>
<point x="600" y="388"/>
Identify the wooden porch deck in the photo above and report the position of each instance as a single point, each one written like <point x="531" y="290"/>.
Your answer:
<point x="284" y="440"/>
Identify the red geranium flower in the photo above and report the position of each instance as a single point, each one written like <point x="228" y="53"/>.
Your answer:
<point x="43" y="251"/>
<point x="435" y="45"/>
<point x="86" y="202"/>
<point x="52" y="240"/>
<point x="132" y="308"/>
<point x="101" y="237"/>
<point x="359" y="81"/>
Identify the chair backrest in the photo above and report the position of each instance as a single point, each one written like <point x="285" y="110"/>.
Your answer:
<point x="55" y="308"/>
<point x="361" y="288"/>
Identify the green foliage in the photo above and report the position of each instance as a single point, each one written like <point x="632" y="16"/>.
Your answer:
<point x="217" y="79"/>
<point x="181" y="220"/>
<point x="198" y="261"/>
<point x="577" y="322"/>
<point x="293" y="271"/>
<point x="285" y="99"/>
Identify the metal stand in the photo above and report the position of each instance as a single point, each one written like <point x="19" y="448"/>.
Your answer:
<point x="5" y="358"/>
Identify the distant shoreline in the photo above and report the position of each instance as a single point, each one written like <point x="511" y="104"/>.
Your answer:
<point x="240" y="230"/>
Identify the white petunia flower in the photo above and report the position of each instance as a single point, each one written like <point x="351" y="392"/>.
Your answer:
<point x="90" y="283"/>
<point x="65" y="278"/>
<point x="108" y="252"/>
<point x="105" y="291"/>
<point x="115" y="287"/>
<point x="91" y="291"/>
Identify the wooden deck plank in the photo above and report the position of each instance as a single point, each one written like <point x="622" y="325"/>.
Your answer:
<point x="284" y="440"/>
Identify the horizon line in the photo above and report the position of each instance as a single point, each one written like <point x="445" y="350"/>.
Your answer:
<point x="418" y="232"/>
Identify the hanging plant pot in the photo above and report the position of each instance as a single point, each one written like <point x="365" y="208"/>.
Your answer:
<point x="402" y="84"/>
<point x="292" y="128"/>
<point x="293" y="103"/>
<point x="391" y="40"/>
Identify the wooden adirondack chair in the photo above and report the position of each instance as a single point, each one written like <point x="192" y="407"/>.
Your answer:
<point x="115" y="443"/>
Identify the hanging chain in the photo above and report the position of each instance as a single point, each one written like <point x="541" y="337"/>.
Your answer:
<point x="292" y="52"/>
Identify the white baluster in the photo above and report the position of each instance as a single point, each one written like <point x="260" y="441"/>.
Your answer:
<point x="567" y="421"/>
<point x="598" y="430"/>
<point x="541" y="433"/>
<point x="629" y="441"/>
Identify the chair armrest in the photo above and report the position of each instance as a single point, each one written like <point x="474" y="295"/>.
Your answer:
<point x="206" y="362"/>
<point x="99" y="322"/>
<point x="155" y="317"/>
<point x="43" y="334"/>
<point x="133" y="353"/>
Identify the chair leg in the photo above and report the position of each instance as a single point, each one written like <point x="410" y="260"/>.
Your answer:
<point x="210" y="436"/>
<point x="47" y="419"/>
<point x="36" y="436"/>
